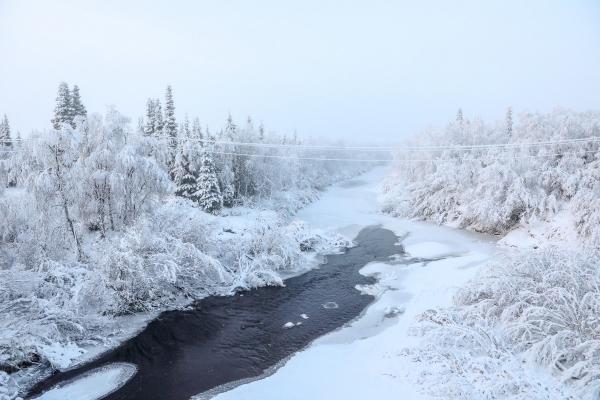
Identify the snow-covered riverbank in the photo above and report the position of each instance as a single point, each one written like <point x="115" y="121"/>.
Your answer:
<point x="366" y="359"/>
<point x="384" y="353"/>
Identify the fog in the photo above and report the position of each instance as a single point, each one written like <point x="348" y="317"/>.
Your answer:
<point x="355" y="70"/>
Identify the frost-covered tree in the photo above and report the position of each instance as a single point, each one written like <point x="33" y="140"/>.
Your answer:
<point x="5" y="138"/>
<point x="77" y="107"/>
<point x="55" y="186"/>
<point x="494" y="188"/>
<point x="63" y="108"/>
<point x="459" y="117"/>
<point x="261" y="132"/>
<point x="149" y="125"/>
<point x="509" y="122"/>
<point x="158" y="119"/>
<point x="170" y="124"/>
<point x="208" y="193"/>
<point x="225" y="162"/>
<point x="184" y="174"/>
<point x="230" y="131"/>
<point x="141" y="126"/>
<point x="118" y="178"/>
<point x="197" y="131"/>
<point x="93" y="230"/>
<point x="185" y="130"/>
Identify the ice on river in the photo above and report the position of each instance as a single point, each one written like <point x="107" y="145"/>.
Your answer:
<point x="429" y="249"/>
<point x="92" y="385"/>
<point x="361" y="360"/>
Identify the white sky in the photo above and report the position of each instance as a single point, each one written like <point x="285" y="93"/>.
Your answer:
<point x="364" y="70"/>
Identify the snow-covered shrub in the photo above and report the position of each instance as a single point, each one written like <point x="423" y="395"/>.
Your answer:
<point x="91" y="230"/>
<point x="540" y="308"/>
<point x="492" y="189"/>
<point x="534" y="308"/>
<point x="8" y="388"/>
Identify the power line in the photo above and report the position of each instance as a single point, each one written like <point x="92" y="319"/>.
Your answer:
<point x="399" y="149"/>
<point x="299" y="157"/>
<point x="397" y="160"/>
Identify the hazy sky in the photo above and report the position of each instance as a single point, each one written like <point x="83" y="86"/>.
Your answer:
<point x="362" y="69"/>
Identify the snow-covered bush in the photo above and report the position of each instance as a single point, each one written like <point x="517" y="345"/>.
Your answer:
<point x="534" y="308"/>
<point x="538" y="308"/>
<point x="94" y="226"/>
<point x="491" y="189"/>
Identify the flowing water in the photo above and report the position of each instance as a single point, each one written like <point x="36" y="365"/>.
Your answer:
<point x="224" y="339"/>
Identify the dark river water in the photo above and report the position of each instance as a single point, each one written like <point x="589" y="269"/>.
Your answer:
<point x="224" y="339"/>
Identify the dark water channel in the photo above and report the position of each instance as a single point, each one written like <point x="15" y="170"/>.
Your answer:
<point x="224" y="339"/>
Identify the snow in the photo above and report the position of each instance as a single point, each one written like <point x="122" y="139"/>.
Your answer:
<point x="556" y="229"/>
<point x="93" y="385"/>
<point x="93" y="231"/>
<point x="384" y="353"/>
<point x="363" y="359"/>
<point x="428" y="249"/>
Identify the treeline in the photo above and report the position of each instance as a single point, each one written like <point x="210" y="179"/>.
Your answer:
<point x="6" y="140"/>
<point x="97" y="174"/>
<point x="98" y="218"/>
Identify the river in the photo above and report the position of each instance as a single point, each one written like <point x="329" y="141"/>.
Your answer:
<point x="219" y="342"/>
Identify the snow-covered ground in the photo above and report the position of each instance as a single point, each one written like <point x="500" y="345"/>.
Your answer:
<point x="366" y="359"/>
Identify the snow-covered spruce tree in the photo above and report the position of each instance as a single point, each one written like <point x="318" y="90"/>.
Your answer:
<point x="157" y="118"/>
<point x="77" y="107"/>
<point x="230" y="131"/>
<point x="242" y="184"/>
<point x="225" y="163"/>
<point x="244" y="171"/>
<point x="261" y="132"/>
<point x="170" y="126"/>
<point x="5" y="138"/>
<point x="183" y="173"/>
<point x="197" y="130"/>
<point x="459" y="117"/>
<point x="185" y="131"/>
<point x="509" y="122"/>
<point x="149" y="124"/>
<point x="141" y="126"/>
<point x="208" y="193"/>
<point x="62" y="109"/>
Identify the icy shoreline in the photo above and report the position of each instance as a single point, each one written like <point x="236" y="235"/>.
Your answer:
<point x="384" y="352"/>
<point x="235" y="229"/>
<point x="364" y="355"/>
